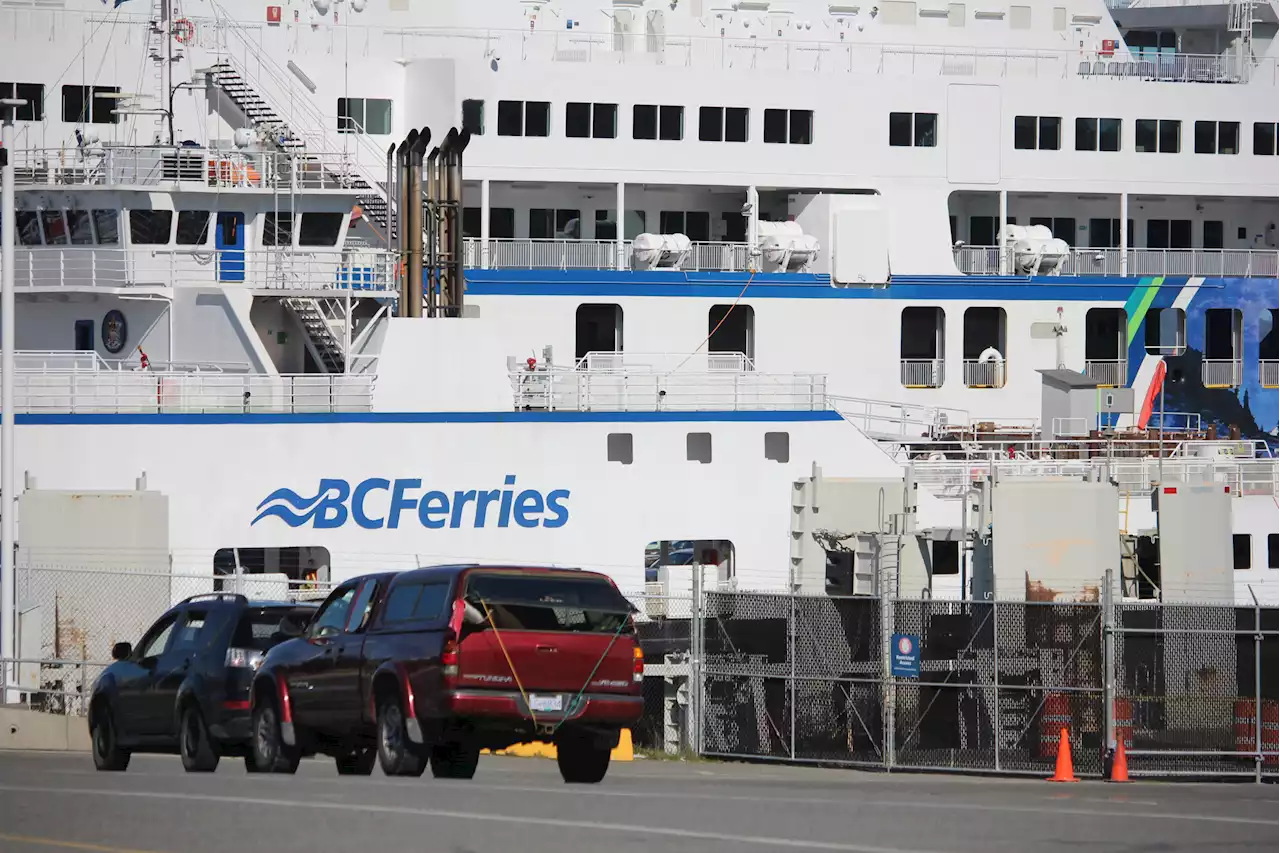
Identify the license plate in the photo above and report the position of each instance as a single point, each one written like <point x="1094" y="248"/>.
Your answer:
<point x="545" y="703"/>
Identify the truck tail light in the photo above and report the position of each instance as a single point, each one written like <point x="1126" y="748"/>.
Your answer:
<point x="637" y="664"/>
<point x="449" y="658"/>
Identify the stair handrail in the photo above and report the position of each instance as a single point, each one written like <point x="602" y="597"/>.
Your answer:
<point x="300" y="100"/>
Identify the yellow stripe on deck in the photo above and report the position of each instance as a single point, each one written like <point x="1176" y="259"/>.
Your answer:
<point x="622" y="752"/>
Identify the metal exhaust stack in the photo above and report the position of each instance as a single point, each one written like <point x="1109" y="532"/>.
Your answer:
<point x="402" y="243"/>
<point x="391" y="196"/>
<point x="445" y="203"/>
<point x="432" y="283"/>
<point x="413" y="287"/>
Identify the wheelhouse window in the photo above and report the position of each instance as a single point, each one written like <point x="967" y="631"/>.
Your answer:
<point x="150" y="227"/>
<point x="32" y="93"/>
<point x="90" y="104"/>
<point x="81" y="227"/>
<point x="595" y="121"/>
<point x="27" y="224"/>
<point x="364" y="115"/>
<point x="107" y="225"/>
<point x="651" y="121"/>
<point x="1157" y="135"/>
<point x="55" y="228"/>
<point x="193" y="227"/>
<point x="918" y="130"/>
<point x="788" y="126"/>
<point x="722" y="124"/>
<point x="277" y="229"/>
<point x="524" y="118"/>
<point x="319" y="229"/>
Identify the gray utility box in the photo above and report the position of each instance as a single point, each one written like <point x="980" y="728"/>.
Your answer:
<point x="1052" y="540"/>
<point x="1195" y="543"/>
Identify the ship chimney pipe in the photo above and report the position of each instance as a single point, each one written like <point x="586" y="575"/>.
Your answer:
<point x="456" y="274"/>
<point x="391" y="194"/>
<point x="402" y="243"/>
<point x="433" y="249"/>
<point x="413" y="289"/>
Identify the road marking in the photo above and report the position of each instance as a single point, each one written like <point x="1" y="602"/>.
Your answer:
<point x="68" y="845"/>
<point x="601" y="826"/>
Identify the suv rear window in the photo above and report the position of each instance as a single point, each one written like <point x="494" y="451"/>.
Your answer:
<point x="416" y="601"/>
<point x="549" y="602"/>
<point x="260" y="629"/>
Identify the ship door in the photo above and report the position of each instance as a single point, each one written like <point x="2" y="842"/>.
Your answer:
<point x="230" y="245"/>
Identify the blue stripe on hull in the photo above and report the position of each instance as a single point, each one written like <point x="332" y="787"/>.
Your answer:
<point x="427" y="418"/>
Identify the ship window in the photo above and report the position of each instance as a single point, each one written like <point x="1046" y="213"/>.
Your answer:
<point x="722" y="124"/>
<point x="546" y="224"/>
<point x="473" y="116"/>
<point x="1104" y="344"/>
<point x="502" y="223"/>
<point x="607" y="224"/>
<point x="150" y="227"/>
<point x="1214" y="234"/>
<point x="27" y="224"/>
<point x="1217" y="137"/>
<point x="598" y="329"/>
<point x="1241" y="551"/>
<point x="277" y="229"/>
<point x="1165" y="331"/>
<point x="913" y="129"/>
<point x="731" y="330"/>
<point x="644" y="121"/>
<point x="582" y="121"/>
<point x="80" y="227"/>
<point x="945" y="557"/>
<point x="106" y="223"/>
<point x="982" y="230"/>
<point x="1269" y="346"/>
<point x="1273" y="550"/>
<point x="90" y="104"/>
<point x="1222" y="334"/>
<point x="923" y="337"/>
<point x="620" y="448"/>
<point x="1265" y="138"/>
<point x="694" y="224"/>
<point x="55" y="227"/>
<point x="697" y="447"/>
<point x="319" y="229"/>
<point x="520" y="118"/>
<point x="1168" y="233"/>
<point x="510" y="118"/>
<point x="788" y="126"/>
<point x="84" y="335"/>
<point x="364" y="115"/>
<point x="1037" y="132"/>
<point x="777" y="447"/>
<point x="1162" y="135"/>
<point x="984" y="347"/>
<point x="671" y="123"/>
<point x="1097" y="134"/>
<point x="1105" y="233"/>
<point x="1063" y="227"/>
<point x="193" y="227"/>
<point x="32" y="93"/>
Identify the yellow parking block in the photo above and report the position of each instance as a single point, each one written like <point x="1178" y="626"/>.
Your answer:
<point x="624" y="751"/>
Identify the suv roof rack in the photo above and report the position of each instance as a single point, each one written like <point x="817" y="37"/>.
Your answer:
<point x="220" y="596"/>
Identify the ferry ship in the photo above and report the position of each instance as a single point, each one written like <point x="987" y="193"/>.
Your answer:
<point x="310" y="288"/>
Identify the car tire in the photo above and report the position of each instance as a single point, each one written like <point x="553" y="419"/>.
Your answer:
<point x="251" y="763"/>
<point x="581" y="761"/>
<point x="194" y="744"/>
<point x="107" y="754"/>
<point x="357" y="763"/>
<point x="270" y="752"/>
<point x="395" y="753"/>
<point x="453" y="760"/>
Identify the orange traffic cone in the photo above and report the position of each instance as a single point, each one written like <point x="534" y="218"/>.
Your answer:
<point x="1120" y="764"/>
<point x="1064" y="772"/>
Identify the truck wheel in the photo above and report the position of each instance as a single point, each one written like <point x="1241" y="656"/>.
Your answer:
<point x="270" y="753"/>
<point x="194" y="745"/>
<point x="107" y="754"/>
<point x="357" y="763"/>
<point x="395" y="752"/>
<point x="581" y="761"/>
<point x="452" y="760"/>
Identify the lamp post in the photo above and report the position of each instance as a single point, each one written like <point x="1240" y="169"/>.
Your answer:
<point x="8" y="604"/>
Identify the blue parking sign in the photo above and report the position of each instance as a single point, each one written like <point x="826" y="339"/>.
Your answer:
<point x="904" y="656"/>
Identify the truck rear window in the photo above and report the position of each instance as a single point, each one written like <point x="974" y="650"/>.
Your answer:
<point x="261" y="630"/>
<point x="549" y="602"/>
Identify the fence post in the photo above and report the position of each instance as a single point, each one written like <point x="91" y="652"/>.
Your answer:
<point x="995" y="645"/>
<point x="889" y="695"/>
<point x="1257" y="688"/>
<point x="791" y="655"/>
<point x="695" y="664"/>
<point x="1109" y="666"/>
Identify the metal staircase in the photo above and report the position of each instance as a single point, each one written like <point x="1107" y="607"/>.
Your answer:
<point x="1242" y="15"/>
<point x="264" y="117"/>
<point x="317" y="318"/>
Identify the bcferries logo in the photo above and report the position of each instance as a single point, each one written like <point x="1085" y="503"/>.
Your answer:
<point x="379" y="503"/>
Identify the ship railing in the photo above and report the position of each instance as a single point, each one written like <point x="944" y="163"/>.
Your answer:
<point x="922" y="373"/>
<point x="560" y="254"/>
<point x="664" y="362"/>
<point x="569" y="389"/>
<point x="157" y="392"/>
<point x="88" y="361"/>
<point x="972" y="446"/>
<point x="184" y="168"/>
<point x="984" y="374"/>
<point x="1108" y="373"/>
<point x="1221" y="372"/>
<point x="263" y="269"/>
<point x="1229" y="263"/>
<point x="1269" y="373"/>
<point x="894" y="419"/>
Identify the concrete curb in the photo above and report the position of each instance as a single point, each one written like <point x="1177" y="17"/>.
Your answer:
<point x="24" y="729"/>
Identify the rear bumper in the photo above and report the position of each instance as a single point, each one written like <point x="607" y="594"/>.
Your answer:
<point x="600" y="708"/>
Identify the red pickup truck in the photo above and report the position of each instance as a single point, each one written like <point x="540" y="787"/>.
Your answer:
<point x="433" y="665"/>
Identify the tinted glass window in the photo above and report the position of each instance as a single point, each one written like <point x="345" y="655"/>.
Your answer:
<point x="360" y="607"/>
<point x="418" y="601"/>
<point x="150" y="227"/>
<point x="277" y="229"/>
<point x="106" y="223"/>
<point x="191" y="634"/>
<point x="78" y="225"/>
<point x="157" y="638"/>
<point x="333" y="618"/>
<point x="261" y="630"/>
<point x="28" y="223"/>
<point x="319" y="229"/>
<point x="193" y="227"/>
<point x="549" y="603"/>
<point x="55" y="227"/>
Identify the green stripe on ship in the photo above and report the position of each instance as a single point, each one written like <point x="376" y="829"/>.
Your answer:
<point x="1135" y="307"/>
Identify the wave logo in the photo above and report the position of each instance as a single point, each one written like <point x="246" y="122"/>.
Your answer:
<point x="378" y="503"/>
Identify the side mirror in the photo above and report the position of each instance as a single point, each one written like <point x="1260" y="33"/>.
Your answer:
<point x="121" y="651"/>
<point x="471" y="615"/>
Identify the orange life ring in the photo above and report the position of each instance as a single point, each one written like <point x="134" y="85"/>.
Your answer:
<point x="184" y="31"/>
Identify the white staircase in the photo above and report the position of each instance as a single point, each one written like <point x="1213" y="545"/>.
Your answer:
<point x="318" y="318"/>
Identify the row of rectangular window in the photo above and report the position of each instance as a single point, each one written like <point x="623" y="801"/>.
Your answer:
<point x="80" y="104"/>
<point x="584" y="120"/>
<point x="1163" y="136"/>
<point x="620" y="447"/>
<point x="56" y="227"/>
<point x="1242" y="551"/>
<point x="566" y="224"/>
<point x="1105" y="233"/>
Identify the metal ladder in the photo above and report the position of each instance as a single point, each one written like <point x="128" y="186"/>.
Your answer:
<point x="1242" y="16"/>
<point x="316" y="316"/>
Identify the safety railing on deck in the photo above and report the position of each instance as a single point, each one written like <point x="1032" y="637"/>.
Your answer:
<point x="1269" y="373"/>
<point x="922" y="373"/>
<point x="894" y="419"/>
<point x="88" y="361"/>
<point x="147" y="392"/>
<point x="570" y="389"/>
<point x="1109" y="373"/>
<point x="594" y="255"/>
<point x="985" y="260"/>
<point x="984" y="374"/>
<point x="263" y="269"/>
<point x="1221" y="373"/>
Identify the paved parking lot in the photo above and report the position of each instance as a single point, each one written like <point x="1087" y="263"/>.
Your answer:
<point x="51" y="802"/>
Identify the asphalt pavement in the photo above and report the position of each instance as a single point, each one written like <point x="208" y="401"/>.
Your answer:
<point x="51" y="802"/>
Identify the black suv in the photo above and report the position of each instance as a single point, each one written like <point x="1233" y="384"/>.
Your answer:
<point x="185" y="687"/>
